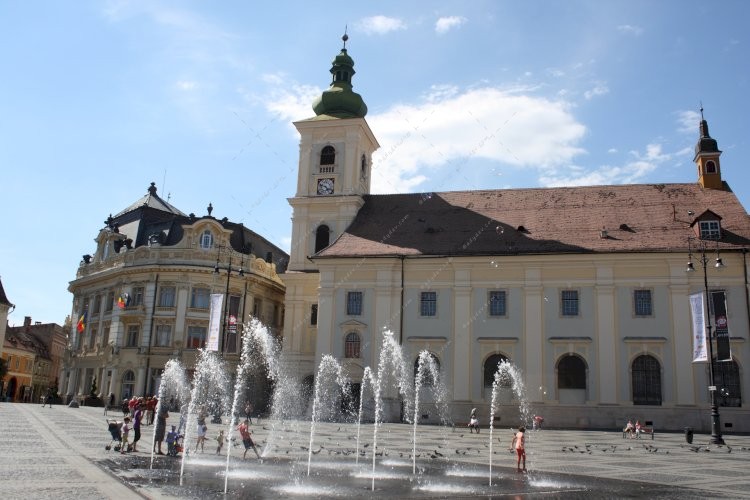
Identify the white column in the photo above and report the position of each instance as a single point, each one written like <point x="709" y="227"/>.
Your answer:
<point x="72" y="375"/>
<point x="139" y="380"/>
<point x="113" y="382"/>
<point x="103" y="384"/>
<point x="324" y="341"/>
<point x="462" y="328"/>
<point x="606" y="374"/>
<point x="532" y="339"/>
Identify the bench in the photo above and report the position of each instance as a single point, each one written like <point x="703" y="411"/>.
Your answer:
<point x="646" y="428"/>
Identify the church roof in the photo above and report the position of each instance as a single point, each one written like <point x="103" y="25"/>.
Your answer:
<point x="592" y="219"/>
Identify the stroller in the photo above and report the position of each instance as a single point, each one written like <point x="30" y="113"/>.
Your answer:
<point x="113" y="426"/>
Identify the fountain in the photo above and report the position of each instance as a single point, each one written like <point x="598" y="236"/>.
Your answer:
<point x="507" y="376"/>
<point x="456" y="470"/>
<point x="209" y="395"/>
<point x="328" y="378"/>
<point x="428" y="374"/>
<point x="173" y="385"/>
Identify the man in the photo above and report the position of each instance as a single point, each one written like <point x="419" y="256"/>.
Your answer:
<point x="245" y="432"/>
<point x="49" y="397"/>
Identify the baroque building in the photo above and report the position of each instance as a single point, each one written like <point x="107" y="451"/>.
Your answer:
<point x="584" y="289"/>
<point x="143" y="297"/>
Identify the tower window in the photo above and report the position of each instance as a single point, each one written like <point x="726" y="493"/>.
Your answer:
<point x="710" y="167"/>
<point x="354" y="303"/>
<point x="322" y="235"/>
<point x="327" y="156"/>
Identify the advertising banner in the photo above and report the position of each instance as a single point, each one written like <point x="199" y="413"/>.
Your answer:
<point x="214" y="321"/>
<point x="723" y="351"/>
<point x="697" y="310"/>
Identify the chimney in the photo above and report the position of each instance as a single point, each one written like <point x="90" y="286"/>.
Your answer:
<point x="27" y="321"/>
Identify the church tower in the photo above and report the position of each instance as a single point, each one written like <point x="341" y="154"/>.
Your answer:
<point x="707" y="159"/>
<point x="336" y="147"/>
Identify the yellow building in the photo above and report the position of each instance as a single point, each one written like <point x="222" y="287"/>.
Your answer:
<point x="142" y="298"/>
<point x="585" y="289"/>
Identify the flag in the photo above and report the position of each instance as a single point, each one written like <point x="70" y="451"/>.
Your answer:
<point x="700" y="347"/>
<point x="81" y="326"/>
<point x="123" y="300"/>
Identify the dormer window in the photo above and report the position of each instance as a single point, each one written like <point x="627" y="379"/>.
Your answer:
<point x="710" y="230"/>
<point x="207" y="240"/>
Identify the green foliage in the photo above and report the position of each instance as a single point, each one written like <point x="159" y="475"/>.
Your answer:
<point x="3" y="368"/>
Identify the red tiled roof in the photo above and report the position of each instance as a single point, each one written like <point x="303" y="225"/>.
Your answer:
<point x="636" y="218"/>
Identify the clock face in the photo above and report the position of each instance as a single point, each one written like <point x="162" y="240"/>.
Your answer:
<point x="325" y="186"/>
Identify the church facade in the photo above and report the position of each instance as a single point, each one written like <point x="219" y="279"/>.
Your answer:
<point x="585" y="289"/>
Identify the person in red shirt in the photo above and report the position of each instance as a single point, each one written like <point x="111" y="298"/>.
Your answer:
<point x="245" y="432"/>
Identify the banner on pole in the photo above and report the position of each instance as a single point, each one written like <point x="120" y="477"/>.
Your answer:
<point x="214" y="321"/>
<point x="697" y="310"/>
<point x="723" y="351"/>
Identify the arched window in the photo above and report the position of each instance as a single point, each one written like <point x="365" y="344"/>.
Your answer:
<point x="490" y="367"/>
<point x="427" y="376"/>
<point x="727" y="378"/>
<point x="322" y="235"/>
<point x="128" y="384"/>
<point x="710" y="167"/>
<point x="571" y="373"/>
<point x="352" y="345"/>
<point x="327" y="156"/>
<point x="646" y="380"/>
<point x="207" y="240"/>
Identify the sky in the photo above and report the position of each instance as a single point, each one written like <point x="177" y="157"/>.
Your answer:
<point x="100" y="98"/>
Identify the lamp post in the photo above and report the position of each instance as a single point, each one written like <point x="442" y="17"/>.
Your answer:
<point x="240" y="272"/>
<point x="715" y="420"/>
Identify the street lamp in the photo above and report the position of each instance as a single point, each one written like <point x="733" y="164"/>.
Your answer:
<point x="240" y="272"/>
<point x="704" y="260"/>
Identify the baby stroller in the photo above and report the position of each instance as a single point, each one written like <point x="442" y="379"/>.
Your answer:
<point x="113" y="426"/>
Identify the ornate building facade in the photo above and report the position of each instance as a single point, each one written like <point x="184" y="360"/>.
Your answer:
<point x="143" y="296"/>
<point x="585" y="289"/>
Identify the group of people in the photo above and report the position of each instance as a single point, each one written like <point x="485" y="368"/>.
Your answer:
<point x="633" y="431"/>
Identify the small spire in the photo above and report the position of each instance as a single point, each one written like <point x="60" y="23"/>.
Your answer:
<point x="701" y="102"/>
<point x="345" y="38"/>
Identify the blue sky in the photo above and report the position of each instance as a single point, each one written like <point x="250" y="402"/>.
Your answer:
<point x="98" y="99"/>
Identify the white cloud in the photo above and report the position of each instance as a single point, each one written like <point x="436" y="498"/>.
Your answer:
<point x="631" y="172"/>
<point x="380" y="25"/>
<point x="630" y="29"/>
<point x="599" y="89"/>
<point x="612" y="150"/>
<point x="186" y="85"/>
<point x="288" y="104"/>
<point x="445" y="24"/>
<point x="486" y="123"/>
<point x="688" y="122"/>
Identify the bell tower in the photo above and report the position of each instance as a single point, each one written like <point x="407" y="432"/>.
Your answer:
<point x="336" y="147"/>
<point x="707" y="159"/>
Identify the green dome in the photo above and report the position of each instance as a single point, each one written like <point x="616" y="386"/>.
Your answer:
<point x="340" y="100"/>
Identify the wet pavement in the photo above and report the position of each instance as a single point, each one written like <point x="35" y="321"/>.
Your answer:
<point x="60" y="453"/>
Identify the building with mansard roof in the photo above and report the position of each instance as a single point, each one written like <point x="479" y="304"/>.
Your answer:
<point x="585" y="289"/>
<point x="142" y="296"/>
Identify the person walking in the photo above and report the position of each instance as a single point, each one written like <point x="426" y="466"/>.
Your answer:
<point x="161" y="429"/>
<point x="518" y="444"/>
<point x="49" y="397"/>
<point x="249" y="412"/>
<point x="137" y="417"/>
<point x="247" y="440"/>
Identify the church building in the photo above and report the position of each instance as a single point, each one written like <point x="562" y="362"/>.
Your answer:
<point x="587" y="290"/>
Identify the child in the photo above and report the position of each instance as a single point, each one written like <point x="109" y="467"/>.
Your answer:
<point x="219" y="441"/>
<point x="172" y="442"/>
<point x="473" y="421"/>
<point x="125" y="430"/>
<point x="518" y="444"/>
<point x="245" y="432"/>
